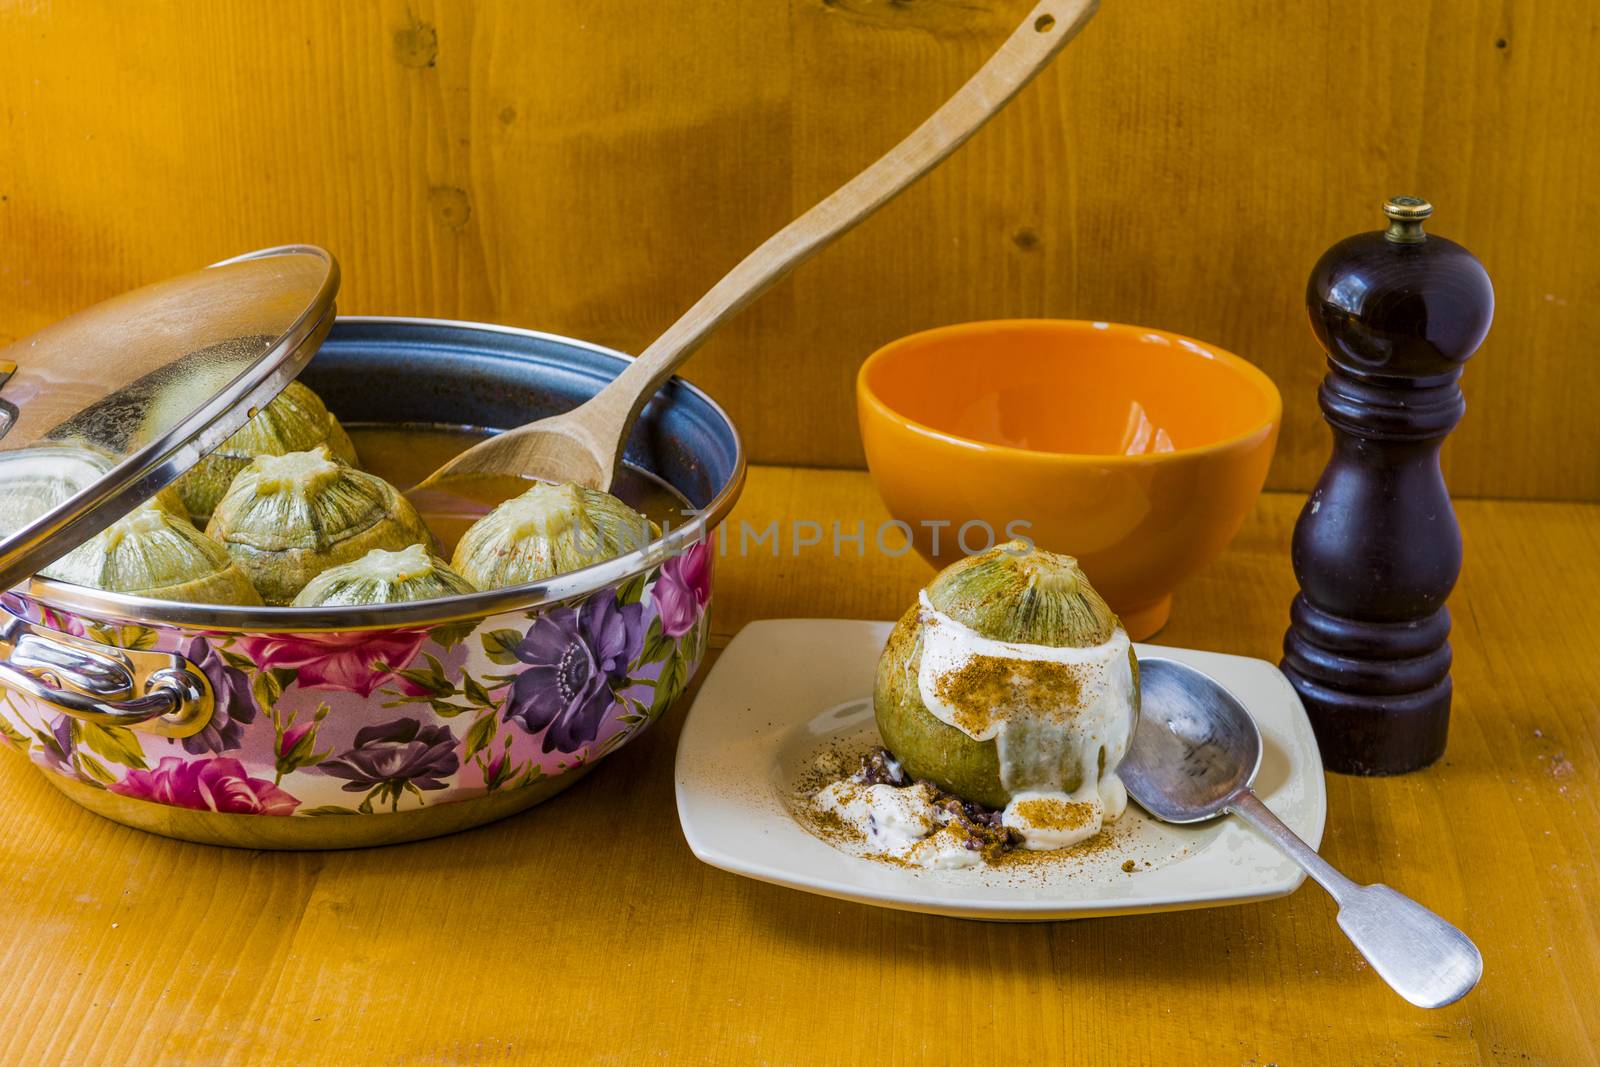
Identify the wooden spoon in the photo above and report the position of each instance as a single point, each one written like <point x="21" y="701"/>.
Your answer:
<point x="585" y="445"/>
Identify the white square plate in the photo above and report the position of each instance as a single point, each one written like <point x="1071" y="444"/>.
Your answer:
<point x="785" y="691"/>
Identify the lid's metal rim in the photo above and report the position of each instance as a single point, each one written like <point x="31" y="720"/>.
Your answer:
<point x="159" y="463"/>
<point x="421" y="613"/>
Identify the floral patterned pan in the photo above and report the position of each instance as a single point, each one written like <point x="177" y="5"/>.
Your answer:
<point x="330" y="728"/>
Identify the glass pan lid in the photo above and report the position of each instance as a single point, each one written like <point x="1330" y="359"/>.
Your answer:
<point x="101" y="410"/>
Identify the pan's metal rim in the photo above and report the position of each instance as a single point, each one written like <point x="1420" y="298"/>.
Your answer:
<point x="422" y="613"/>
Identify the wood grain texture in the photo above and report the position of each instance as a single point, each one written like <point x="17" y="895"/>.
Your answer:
<point x="585" y="445"/>
<point x="584" y="931"/>
<point x="591" y="166"/>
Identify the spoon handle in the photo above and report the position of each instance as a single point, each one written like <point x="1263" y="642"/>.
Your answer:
<point x="1045" y="31"/>
<point x="1248" y="807"/>
<point x="1422" y="957"/>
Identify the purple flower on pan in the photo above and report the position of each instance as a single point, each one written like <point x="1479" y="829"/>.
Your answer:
<point x="207" y="785"/>
<point x="13" y="604"/>
<point x="55" y="747"/>
<point x="235" y="704"/>
<point x="576" y="658"/>
<point x="682" y="590"/>
<point x="391" y="758"/>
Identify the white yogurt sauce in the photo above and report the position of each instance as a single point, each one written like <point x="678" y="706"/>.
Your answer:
<point x="1042" y="745"/>
<point x="898" y="821"/>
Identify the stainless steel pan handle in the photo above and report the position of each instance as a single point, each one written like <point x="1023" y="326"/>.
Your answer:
<point x="157" y="692"/>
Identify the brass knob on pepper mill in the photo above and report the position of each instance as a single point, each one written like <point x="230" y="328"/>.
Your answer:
<point x="1377" y="549"/>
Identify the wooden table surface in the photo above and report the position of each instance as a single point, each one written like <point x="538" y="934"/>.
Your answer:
<point x="584" y="931"/>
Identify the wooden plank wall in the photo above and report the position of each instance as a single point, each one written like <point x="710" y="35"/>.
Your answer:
<point x="590" y="166"/>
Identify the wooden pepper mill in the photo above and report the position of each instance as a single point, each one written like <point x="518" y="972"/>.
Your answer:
<point x="1377" y="549"/>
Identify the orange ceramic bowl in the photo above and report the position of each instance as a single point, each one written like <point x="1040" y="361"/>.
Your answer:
<point x="1138" y="451"/>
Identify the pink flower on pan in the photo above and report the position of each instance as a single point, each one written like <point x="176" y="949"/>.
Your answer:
<point x="36" y="612"/>
<point x="353" y="662"/>
<point x="682" y="590"/>
<point x="293" y="736"/>
<point x="207" y="785"/>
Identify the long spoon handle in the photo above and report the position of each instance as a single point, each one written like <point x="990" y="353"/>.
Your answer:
<point x="1422" y="957"/>
<point x="1047" y="29"/>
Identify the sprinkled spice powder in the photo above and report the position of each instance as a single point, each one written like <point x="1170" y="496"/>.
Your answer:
<point x="832" y="829"/>
<point x="1112" y="847"/>
<point x="1112" y="838"/>
<point x="1052" y="813"/>
<point x="987" y="687"/>
<point x="963" y="823"/>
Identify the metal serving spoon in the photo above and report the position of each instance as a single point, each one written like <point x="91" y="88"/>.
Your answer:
<point x="585" y="445"/>
<point x="1194" y="755"/>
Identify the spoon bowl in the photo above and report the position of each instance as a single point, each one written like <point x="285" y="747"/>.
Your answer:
<point x="548" y="450"/>
<point x="1193" y="757"/>
<point x="1195" y="748"/>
